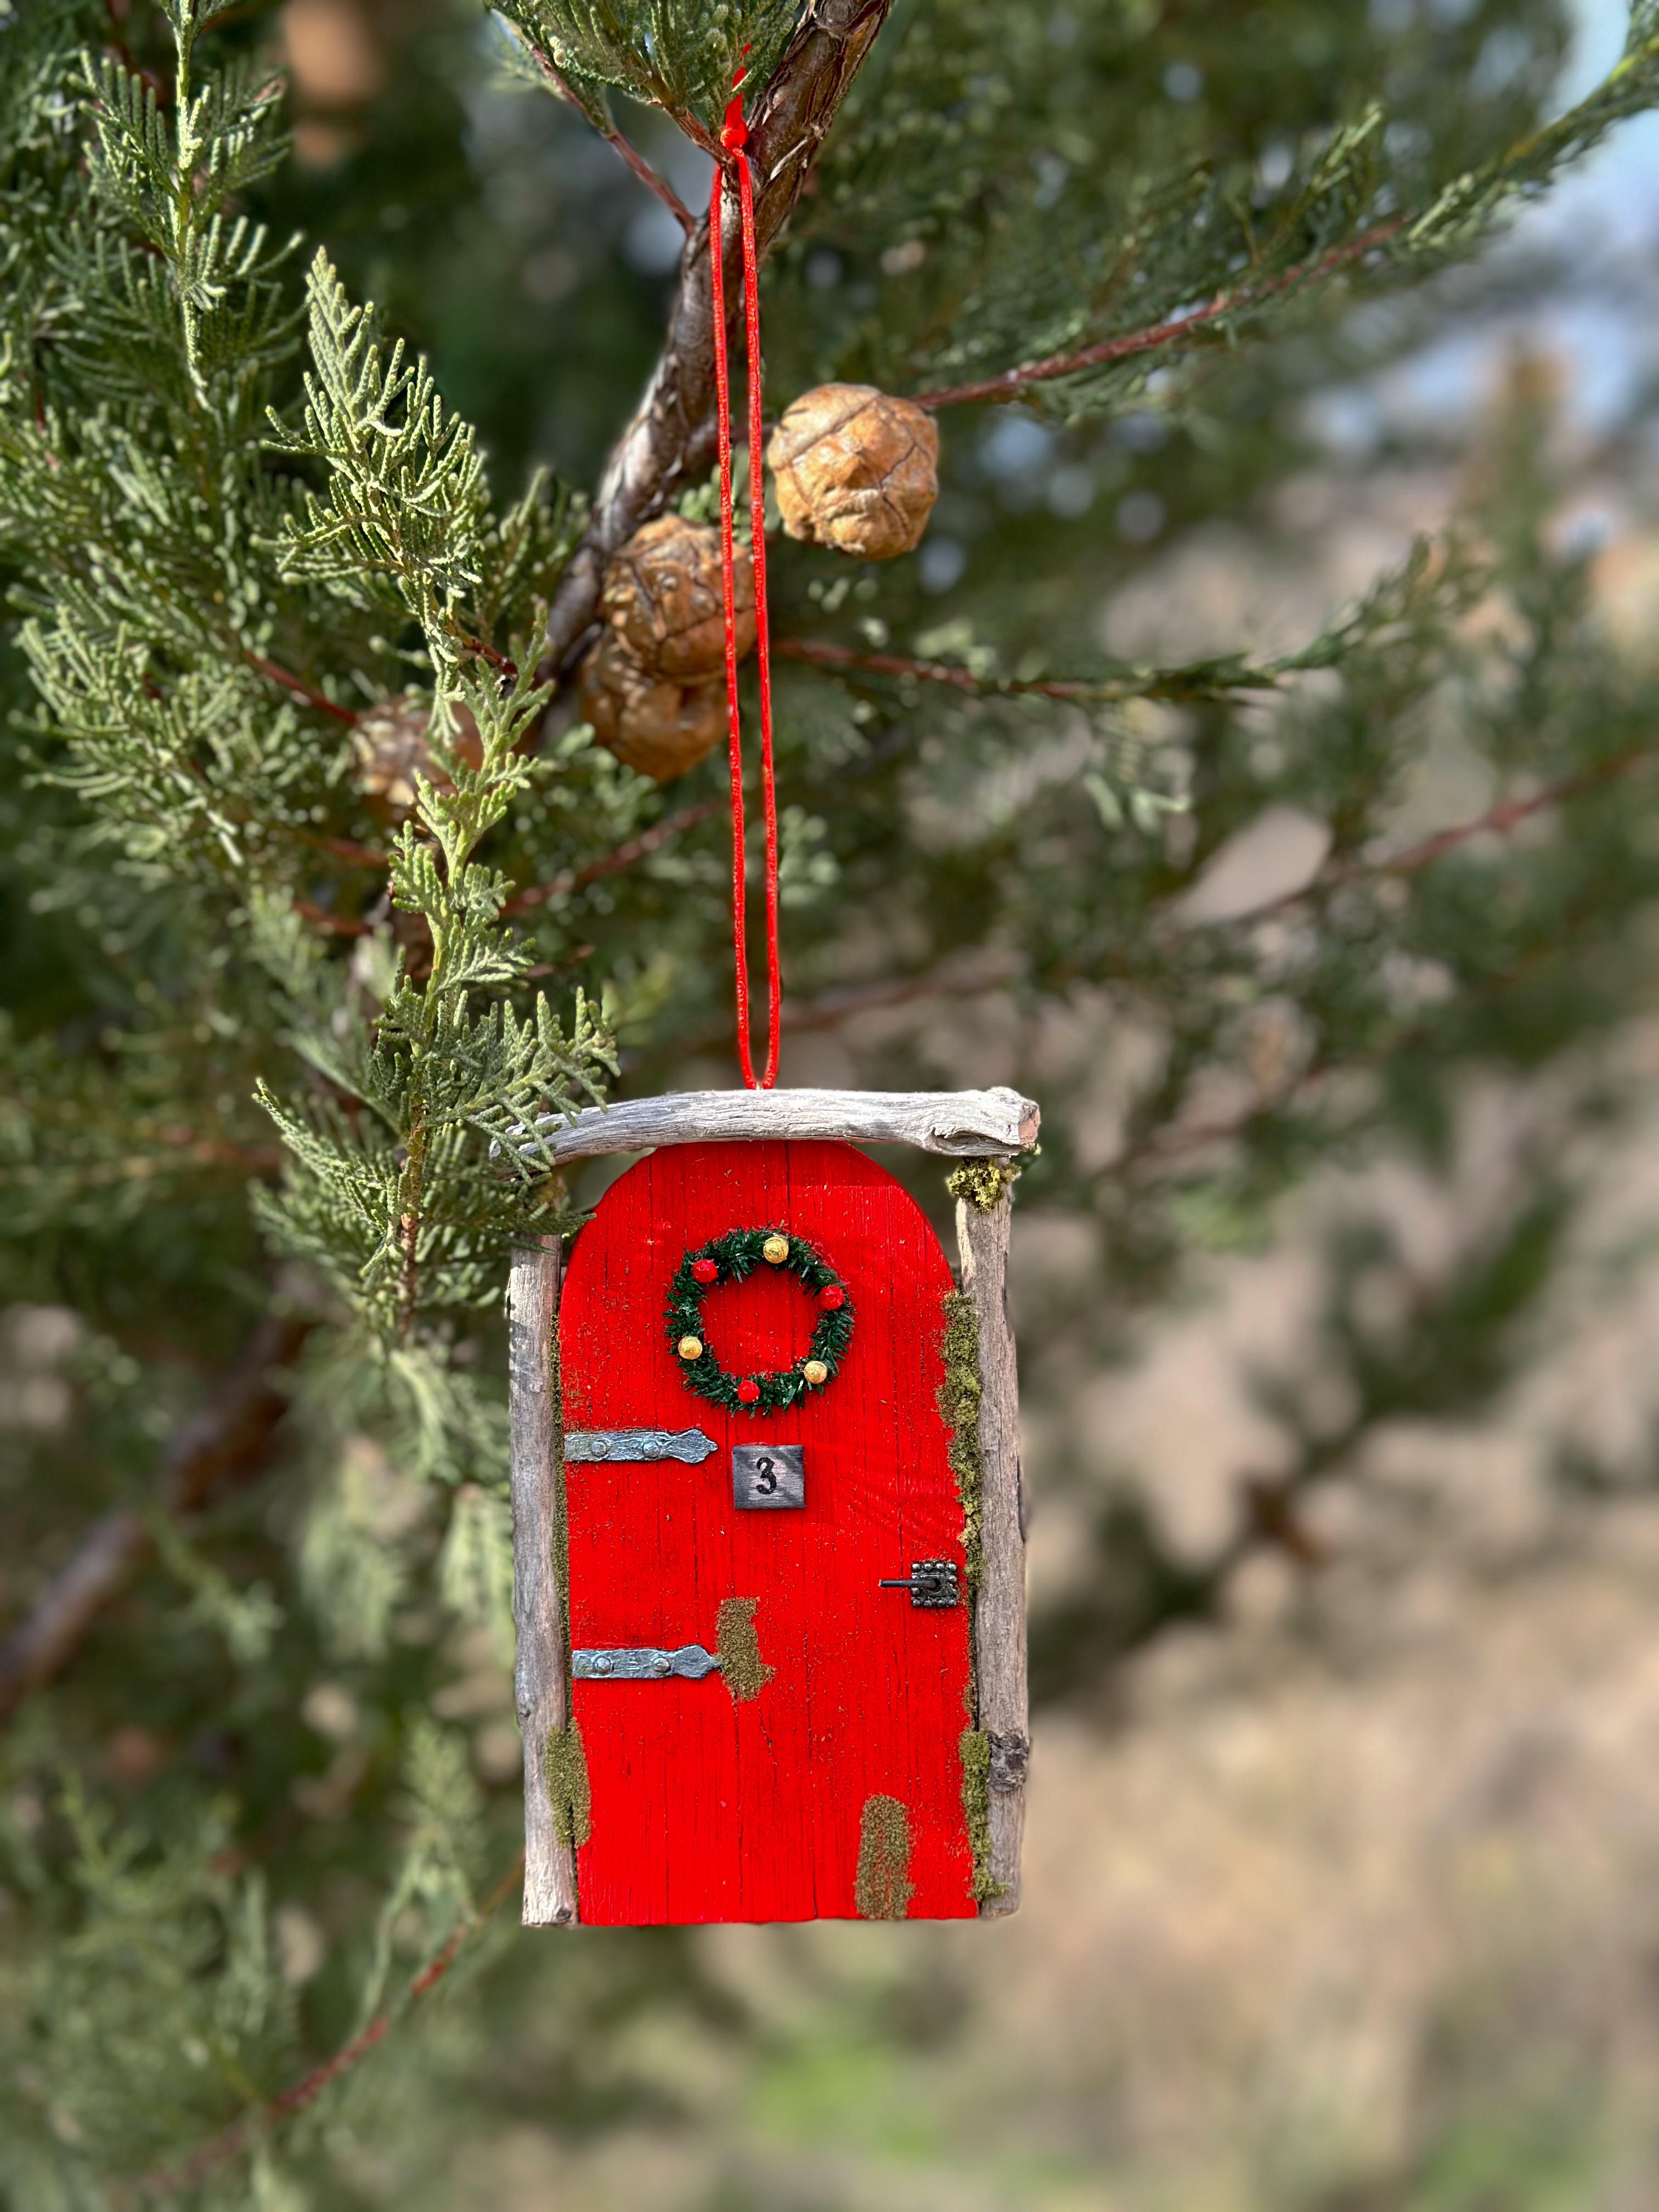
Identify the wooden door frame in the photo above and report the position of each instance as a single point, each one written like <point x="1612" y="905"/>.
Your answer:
<point x="985" y="1126"/>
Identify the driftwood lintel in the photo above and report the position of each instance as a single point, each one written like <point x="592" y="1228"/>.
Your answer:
<point x="959" y="1124"/>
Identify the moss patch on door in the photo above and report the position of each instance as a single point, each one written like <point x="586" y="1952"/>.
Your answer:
<point x="564" y="1767"/>
<point x="742" y="1670"/>
<point x="883" y="1889"/>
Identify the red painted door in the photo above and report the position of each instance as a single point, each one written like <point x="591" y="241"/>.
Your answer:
<point x="835" y="1787"/>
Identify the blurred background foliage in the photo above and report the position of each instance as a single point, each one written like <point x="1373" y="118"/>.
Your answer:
<point x="1321" y="924"/>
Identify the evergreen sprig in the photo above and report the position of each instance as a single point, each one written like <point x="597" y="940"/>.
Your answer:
<point x="680" y="55"/>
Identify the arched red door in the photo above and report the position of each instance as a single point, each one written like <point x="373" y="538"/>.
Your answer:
<point x="831" y="1786"/>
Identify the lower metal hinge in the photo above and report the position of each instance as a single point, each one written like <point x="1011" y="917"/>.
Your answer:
<point x="643" y="1663"/>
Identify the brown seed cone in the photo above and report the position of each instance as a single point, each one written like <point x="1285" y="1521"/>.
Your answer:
<point x="856" y="470"/>
<point x="391" y="747"/>
<point x="651" y="723"/>
<point x="663" y="596"/>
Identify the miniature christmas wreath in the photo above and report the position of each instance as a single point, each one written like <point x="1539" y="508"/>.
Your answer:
<point x="729" y="1259"/>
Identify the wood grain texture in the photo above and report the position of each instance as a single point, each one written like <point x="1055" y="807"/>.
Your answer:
<point x="541" y="1692"/>
<point x="1000" y="1613"/>
<point x="961" y="1124"/>
<point x="705" y="1808"/>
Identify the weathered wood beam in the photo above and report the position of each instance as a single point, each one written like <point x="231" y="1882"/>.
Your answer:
<point x="540" y="1686"/>
<point x="963" y="1124"/>
<point x="999" y="1606"/>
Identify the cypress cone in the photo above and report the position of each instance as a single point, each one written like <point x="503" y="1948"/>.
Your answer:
<point x="652" y="723"/>
<point x="856" y="470"/>
<point x="663" y="597"/>
<point x="391" y="745"/>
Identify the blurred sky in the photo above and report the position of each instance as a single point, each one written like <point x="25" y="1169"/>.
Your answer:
<point x="1597" y="310"/>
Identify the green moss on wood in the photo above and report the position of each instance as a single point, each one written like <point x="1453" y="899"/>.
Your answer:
<point x="745" y="1673"/>
<point x="976" y="1804"/>
<point x="560" y="1534"/>
<point x="564" y="1770"/>
<point x="982" y="1182"/>
<point x="958" y="1405"/>
<point x="883" y="1888"/>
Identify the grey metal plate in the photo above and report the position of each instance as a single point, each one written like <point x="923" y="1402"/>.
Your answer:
<point x="768" y="1477"/>
<point x="690" y="1445"/>
<point x="643" y="1662"/>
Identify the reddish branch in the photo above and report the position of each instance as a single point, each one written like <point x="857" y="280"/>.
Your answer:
<point x="1172" y="684"/>
<point x="228" y="1440"/>
<point x="1499" y="820"/>
<point x="1013" y="381"/>
<point x="298" y="686"/>
<point x="613" y="137"/>
<point x="648" y="840"/>
<point x="331" y="925"/>
<point x="818" y="655"/>
<point x="258" y="2122"/>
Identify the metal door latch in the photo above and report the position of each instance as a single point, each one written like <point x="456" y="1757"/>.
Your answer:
<point x="931" y="1583"/>
<point x="643" y="1663"/>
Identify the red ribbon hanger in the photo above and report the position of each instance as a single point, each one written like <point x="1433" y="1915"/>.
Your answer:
<point x="734" y="137"/>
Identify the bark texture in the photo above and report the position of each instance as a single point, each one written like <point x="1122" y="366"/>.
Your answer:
<point x="982" y="1238"/>
<point x="229" y="1440"/>
<point x="554" y="1807"/>
<point x="961" y="1124"/>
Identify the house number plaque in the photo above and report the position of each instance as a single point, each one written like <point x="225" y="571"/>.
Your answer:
<point x="765" y="1477"/>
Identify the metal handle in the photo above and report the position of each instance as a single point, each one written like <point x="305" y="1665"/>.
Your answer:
<point x="931" y="1583"/>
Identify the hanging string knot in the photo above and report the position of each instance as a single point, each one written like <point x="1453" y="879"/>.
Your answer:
<point x="734" y="132"/>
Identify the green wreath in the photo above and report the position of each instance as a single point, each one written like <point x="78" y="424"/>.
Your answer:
<point x="729" y="1259"/>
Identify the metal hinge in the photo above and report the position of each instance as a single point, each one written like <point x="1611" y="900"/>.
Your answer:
<point x="690" y="1445"/>
<point x="931" y="1583"/>
<point x="643" y="1662"/>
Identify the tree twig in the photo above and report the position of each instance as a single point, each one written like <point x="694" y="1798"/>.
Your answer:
<point x="1498" y="821"/>
<point x="228" y="1440"/>
<point x="1011" y="382"/>
<point x="331" y="925"/>
<point x="173" y="2181"/>
<point x="648" y="840"/>
<point x="613" y="137"/>
<point x="1201" y="680"/>
<point x="298" y="686"/>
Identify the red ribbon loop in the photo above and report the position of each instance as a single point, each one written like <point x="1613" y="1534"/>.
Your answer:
<point x="735" y="136"/>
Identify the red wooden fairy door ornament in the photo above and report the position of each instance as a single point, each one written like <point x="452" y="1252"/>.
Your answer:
<point x="817" y="1772"/>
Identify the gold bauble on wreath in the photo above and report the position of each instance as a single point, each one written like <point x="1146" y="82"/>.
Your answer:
<point x="663" y="597"/>
<point x="652" y="724"/>
<point x="856" y="470"/>
<point x="391" y="745"/>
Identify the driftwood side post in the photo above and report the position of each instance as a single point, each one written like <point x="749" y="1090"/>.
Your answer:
<point x="999" y="1616"/>
<point x="541" y="1692"/>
